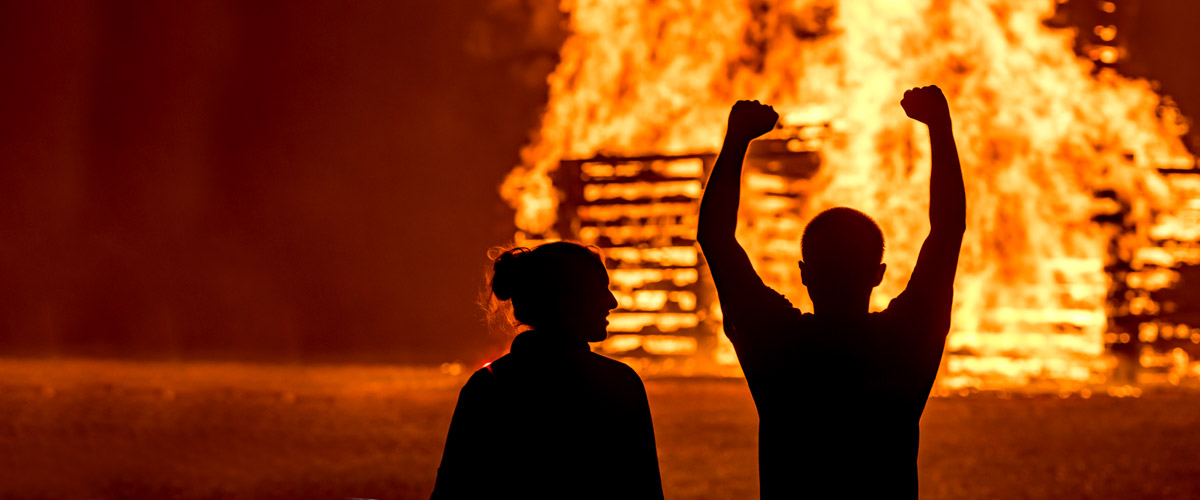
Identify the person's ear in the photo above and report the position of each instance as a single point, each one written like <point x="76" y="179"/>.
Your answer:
<point x="800" y="264"/>
<point x="879" y="275"/>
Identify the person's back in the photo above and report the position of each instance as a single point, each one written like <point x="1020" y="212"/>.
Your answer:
<point x="839" y="402"/>
<point x="839" y="391"/>
<point x="551" y="419"/>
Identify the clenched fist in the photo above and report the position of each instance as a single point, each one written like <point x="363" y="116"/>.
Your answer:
<point x="751" y="119"/>
<point x="926" y="105"/>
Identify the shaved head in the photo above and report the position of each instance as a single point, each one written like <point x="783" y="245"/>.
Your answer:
<point x="843" y="241"/>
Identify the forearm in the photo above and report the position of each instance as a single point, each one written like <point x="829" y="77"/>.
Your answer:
<point x="947" y="197"/>
<point x="719" y="206"/>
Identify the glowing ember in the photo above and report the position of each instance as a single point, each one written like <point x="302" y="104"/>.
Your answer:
<point x="1039" y="134"/>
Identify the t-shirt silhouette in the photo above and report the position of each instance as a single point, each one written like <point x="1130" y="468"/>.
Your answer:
<point x="839" y="398"/>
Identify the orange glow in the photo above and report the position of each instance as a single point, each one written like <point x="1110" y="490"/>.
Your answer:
<point x="1106" y="33"/>
<point x="1039" y="132"/>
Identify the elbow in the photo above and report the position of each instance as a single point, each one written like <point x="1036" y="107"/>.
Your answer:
<point x="958" y="225"/>
<point x="703" y="236"/>
<point x="704" y="227"/>
<point x="713" y="230"/>
<point x="954" y="224"/>
<point x="704" y="233"/>
<point x="709" y="237"/>
<point x="957" y="228"/>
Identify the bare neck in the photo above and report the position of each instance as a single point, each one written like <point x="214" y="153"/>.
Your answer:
<point x="857" y="305"/>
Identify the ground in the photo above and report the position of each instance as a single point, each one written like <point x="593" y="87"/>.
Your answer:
<point x="88" y="429"/>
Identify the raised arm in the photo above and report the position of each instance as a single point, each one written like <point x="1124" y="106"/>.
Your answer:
<point x="933" y="278"/>
<point x="947" y="198"/>
<point x="746" y="302"/>
<point x="719" y="207"/>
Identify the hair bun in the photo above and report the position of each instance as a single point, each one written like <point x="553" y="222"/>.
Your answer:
<point x="506" y="273"/>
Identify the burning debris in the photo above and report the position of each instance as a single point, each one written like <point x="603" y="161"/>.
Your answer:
<point x="1052" y="147"/>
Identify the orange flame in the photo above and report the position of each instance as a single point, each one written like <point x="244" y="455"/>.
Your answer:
<point x="1038" y="132"/>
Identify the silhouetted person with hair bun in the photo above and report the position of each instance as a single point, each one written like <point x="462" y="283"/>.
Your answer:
<point x="552" y="419"/>
<point x="840" y="390"/>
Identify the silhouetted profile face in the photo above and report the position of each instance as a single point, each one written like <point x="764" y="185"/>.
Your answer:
<point x="842" y="250"/>
<point x="559" y="286"/>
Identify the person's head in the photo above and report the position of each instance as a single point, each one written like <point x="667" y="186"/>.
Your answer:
<point x="842" y="252"/>
<point x="560" y="286"/>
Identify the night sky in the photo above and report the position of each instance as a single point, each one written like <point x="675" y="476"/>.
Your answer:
<point x="282" y="181"/>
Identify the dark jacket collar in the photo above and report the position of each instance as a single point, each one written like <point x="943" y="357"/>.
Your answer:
<point x="546" y="342"/>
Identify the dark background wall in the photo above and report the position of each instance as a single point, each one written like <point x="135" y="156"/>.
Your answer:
<point x="1158" y="40"/>
<point x="273" y="180"/>
<point x="287" y="180"/>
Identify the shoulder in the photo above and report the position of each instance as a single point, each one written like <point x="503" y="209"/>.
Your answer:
<point x="920" y="309"/>
<point x="480" y="375"/>
<point x="606" y="363"/>
<point x="902" y="306"/>
<point x="772" y="297"/>
<point x="485" y="376"/>
<point x="479" y="382"/>
<point x="756" y="307"/>
<point x="617" y="370"/>
<point x="777" y="314"/>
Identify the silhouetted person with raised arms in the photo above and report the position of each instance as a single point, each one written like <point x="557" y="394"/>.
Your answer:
<point x="552" y="419"/>
<point x="839" y="391"/>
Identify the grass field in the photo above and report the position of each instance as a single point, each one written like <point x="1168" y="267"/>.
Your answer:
<point x="90" y="429"/>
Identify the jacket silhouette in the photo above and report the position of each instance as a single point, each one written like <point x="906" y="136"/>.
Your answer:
<point x="551" y="419"/>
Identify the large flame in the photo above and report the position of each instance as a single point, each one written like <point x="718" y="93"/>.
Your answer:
<point x="1039" y="132"/>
